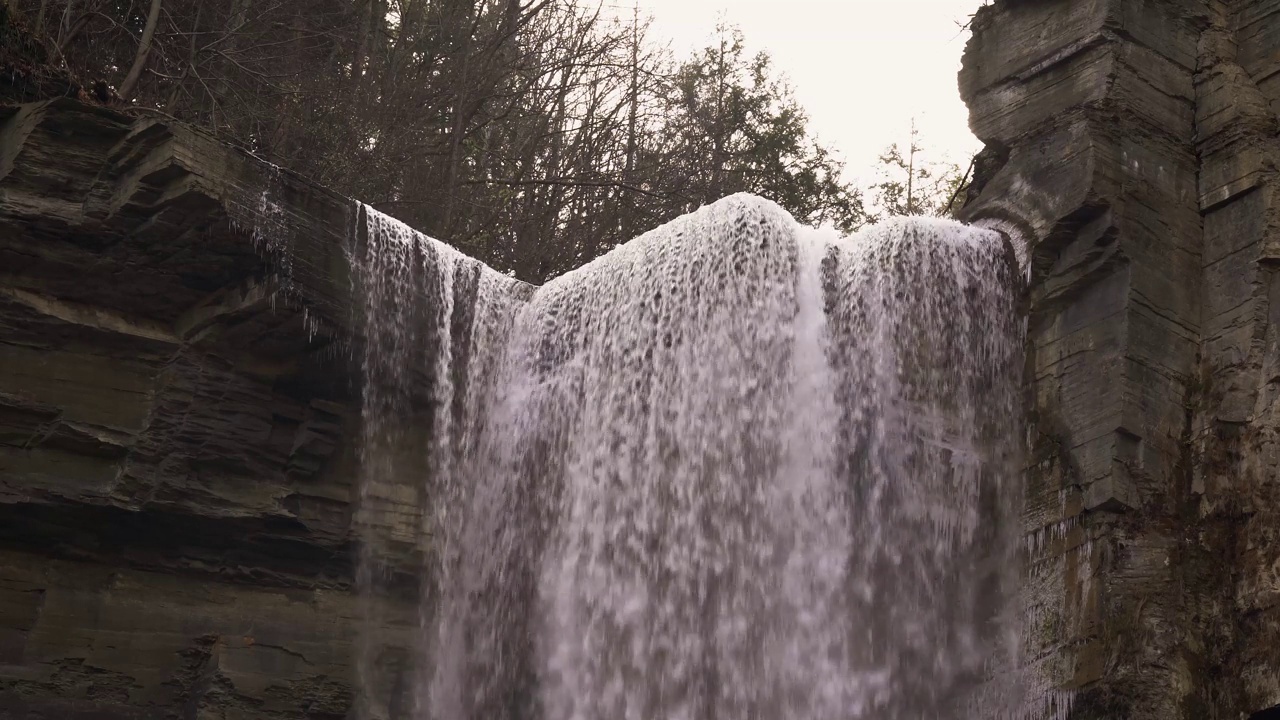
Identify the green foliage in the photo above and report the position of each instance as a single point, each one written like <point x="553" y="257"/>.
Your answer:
<point x="910" y="184"/>
<point x="736" y="126"/>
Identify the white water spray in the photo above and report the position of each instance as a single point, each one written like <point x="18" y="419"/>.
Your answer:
<point x="732" y="469"/>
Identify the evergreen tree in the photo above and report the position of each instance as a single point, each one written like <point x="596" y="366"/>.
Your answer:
<point x="533" y="134"/>
<point x="911" y="184"/>
<point x="736" y="126"/>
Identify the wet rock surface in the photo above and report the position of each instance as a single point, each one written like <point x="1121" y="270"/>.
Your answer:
<point x="176" y="460"/>
<point x="1134" y="145"/>
<point x="176" y="464"/>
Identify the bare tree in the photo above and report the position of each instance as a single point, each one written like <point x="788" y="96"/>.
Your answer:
<point x="534" y="134"/>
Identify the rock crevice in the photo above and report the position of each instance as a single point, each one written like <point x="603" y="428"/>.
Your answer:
<point x="177" y="408"/>
<point x="1141" y="145"/>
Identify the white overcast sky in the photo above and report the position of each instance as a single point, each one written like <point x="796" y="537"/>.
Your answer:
<point x="861" y="68"/>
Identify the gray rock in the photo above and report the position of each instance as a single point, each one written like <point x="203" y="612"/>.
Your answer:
<point x="176" y="469"/>
<point x="1141" y="149"/>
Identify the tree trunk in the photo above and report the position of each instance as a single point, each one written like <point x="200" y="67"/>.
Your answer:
<point x="718" y="129"/>
<point x="463" y="107"/>
<point x="66" y="28"/>
<point x="911" y="171"/>
<point x="44" y="6"/>
<point x="628" y="175"/>
<point x="144" y="50"/>
<point x="364" y="26"/>
<point x="188" y="70"/>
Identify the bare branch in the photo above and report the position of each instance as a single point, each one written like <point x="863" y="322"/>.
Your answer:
<point x="566" y="182"/>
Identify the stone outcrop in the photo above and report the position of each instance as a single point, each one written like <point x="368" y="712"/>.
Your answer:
<point x="178" y="415"/>
<point x="176" y="424"/>
<point x="1132" y="144"/>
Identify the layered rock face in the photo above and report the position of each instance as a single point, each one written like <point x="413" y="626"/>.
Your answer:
<point x="176" y="462"/>
<point x="1133" y="144"/>
<point x="177" y="413"/>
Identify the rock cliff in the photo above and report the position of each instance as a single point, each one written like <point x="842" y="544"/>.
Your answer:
<point x="1132" y="144"/>
<point x="176" y="464"/>
<point x="177" y="410"/>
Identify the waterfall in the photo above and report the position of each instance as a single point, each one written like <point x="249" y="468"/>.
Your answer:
<point x="733" y="469"/>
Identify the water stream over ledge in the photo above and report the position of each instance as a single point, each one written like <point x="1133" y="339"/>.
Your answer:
<point x="733" y="469"/>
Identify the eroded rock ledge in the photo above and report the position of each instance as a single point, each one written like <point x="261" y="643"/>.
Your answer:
<point x="176" y="466"/>
<point x="175" y="461"/>
<point x="1133" y="144"/>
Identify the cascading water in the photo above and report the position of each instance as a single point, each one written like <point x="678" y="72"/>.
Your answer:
<point x="733" y="469"/>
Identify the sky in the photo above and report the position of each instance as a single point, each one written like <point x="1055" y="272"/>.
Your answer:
<point x="861" y="68"/>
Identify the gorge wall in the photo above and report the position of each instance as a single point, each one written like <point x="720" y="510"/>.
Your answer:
<point x="176" y="462"/>
<point x="1133" y="144"/>
<point x="177" y="415"/>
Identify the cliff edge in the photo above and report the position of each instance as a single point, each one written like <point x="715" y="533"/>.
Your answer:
<point x="176" y="415"/>
<point x="1132" y="146"/>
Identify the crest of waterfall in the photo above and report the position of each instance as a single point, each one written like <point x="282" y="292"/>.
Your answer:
<point x="733" y="469"/>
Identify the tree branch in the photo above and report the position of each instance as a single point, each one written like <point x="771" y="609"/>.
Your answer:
<point x="961" y="185"/>
<point x="567" y="182"/>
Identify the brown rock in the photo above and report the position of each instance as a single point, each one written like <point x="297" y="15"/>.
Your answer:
<point x="176" y="469"/>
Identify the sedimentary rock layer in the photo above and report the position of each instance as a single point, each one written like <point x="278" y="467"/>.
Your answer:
<point x="175" y="428"/>
<point x="175" y="459"/>
<point x="1132" y="144"/>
